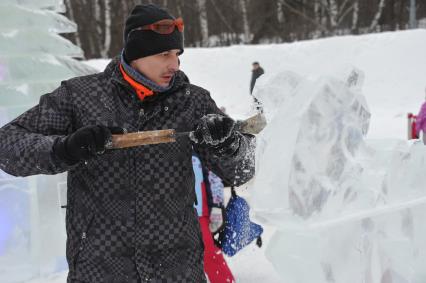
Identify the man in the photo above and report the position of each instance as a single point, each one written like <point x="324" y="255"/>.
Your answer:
<point x="130" y="212"/>
<point x="257" y="71"/>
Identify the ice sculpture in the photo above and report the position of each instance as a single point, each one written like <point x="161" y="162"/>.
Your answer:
<point x="347" y="209"/>
<point x="33" y="61"/>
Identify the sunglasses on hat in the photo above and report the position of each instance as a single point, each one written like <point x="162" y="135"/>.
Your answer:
<point x="166" y="26"/>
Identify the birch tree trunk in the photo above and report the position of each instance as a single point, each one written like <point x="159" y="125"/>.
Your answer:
<point x="246" y="27"/>
<point x="87" y="38"/>
<point x="204" y="27"/>
<point x="97" y="16"/>
<point x="333" y="12"/>
<point x="107" y="30"/>
<point x="324" y="12"/>
<point x="98" y="35"/>
<point x="376" y="18"/>
<point x="179" y="8"/>
<point x="317" y="18"/>
<point x="355" y="15"/>
<point x="317" y="11"/>
<point x="280" y="12"/>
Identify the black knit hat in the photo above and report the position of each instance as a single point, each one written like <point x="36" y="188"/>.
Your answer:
<point x="143" y="43"/>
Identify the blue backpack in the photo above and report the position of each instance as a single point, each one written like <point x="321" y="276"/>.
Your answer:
<point x="238" y="231"/>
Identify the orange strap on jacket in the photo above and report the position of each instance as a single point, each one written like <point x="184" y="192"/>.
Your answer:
<point x="140" y="89"/>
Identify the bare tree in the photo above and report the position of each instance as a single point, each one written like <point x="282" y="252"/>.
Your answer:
<point x="246" y="27"/>
<point x="107" y="29"/>
<point x="221" y="16"/>
<point x="413" y="20"/>
<point x="313" y="20"/>
<point x="280" y="12"/>
<point x="99" y="25"/>
<point x="377" y="16"/>
<point x="179" y="8"/>
<point x="70" y="10"/>
<point x="317" y="11"/>
<point x="333" y="13"/>
<point x="100" y="22"/>
<point x="337" y="13"/>
<point x="204" y="26"/>
<point x="355" y="16"/>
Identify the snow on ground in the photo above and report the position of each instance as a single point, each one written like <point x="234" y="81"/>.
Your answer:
<point x="394" y="67"/>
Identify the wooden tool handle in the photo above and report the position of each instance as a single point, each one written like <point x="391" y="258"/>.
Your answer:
<point x="252" y="125"/>
<point x="143" y="138"/>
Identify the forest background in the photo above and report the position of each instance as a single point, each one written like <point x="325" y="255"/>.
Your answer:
<point x="211" y="23"/>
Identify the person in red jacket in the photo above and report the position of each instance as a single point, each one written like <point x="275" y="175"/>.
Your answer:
<point x="421" y="122"/>
<point x="209" y="191"/>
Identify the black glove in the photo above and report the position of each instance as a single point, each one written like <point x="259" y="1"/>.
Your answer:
<point x="84" y="143"/>
<point x="217" y="132"/>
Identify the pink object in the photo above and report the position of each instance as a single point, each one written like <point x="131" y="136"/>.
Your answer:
<point x="214" y="263"/>
<point x="421" y="120"/>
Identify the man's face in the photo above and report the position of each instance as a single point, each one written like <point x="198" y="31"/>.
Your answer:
<point x="160" y="67"/>
<point x="255" y="66"/>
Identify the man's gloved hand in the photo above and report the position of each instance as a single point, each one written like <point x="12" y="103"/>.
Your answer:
<point x="84" y="143"/>
<point x="217" y="131"/>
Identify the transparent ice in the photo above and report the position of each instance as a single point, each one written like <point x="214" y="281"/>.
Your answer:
<point x="34" y="59"/>
<point x="348" y="209"/>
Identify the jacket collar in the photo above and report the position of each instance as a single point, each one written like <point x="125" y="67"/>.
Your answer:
<point x="141" y="90"/>
<point x="112" y="71"/>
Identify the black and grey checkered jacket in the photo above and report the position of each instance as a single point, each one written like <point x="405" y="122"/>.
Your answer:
<point x="130" y="215"/>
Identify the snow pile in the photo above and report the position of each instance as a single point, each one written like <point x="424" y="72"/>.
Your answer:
<point x="346" y="209"/>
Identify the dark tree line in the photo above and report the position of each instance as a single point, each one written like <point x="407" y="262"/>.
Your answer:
<point x="226" y="22"/>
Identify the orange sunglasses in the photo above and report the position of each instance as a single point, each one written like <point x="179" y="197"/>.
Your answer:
<point x="166" y="26"/>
